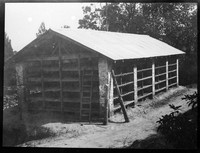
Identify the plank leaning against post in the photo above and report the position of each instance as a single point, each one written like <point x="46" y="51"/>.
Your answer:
<point x="120" y="98"/>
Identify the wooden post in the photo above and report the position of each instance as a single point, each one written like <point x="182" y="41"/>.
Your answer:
<point x="20" y="86"/>
<point x="60" y="76"/>
<point x="110" y="91"/>
<point x="106" y="104"/>
<point x="167" y="76"/>
<point x="103" y="80"/>
<point x="153" y="78"/>
<point x="177" y="69"/>
<point x="135" y="84"/>
<point x="42" y="79"/>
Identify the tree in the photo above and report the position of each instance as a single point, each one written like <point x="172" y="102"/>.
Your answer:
<point x="8" y="50"/>
<point x="41" y="30"/>
<point x="173" y="23"/>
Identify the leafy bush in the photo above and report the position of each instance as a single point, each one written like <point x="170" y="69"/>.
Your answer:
<point x="181" y="129"/>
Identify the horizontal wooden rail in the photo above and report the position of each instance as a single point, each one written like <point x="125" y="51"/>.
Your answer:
<point x="160" y="81"/>
<point x="172" y="71"/>
<point x="125" y="104"/>
<point x="145" y="95"/>
<point x="149" y="77"/>
<point x="125" y="84"/>
<point x="159" y="67"/>
<point x="147" y="69"/>
<point x="157" y="90"/>
<point x="144" y="87"/>
<point x="128" y="93"/>
<point x="172" y="64"/>
<point x="160" y="74"/>
<point x="123" y="74"/>
<point x="172" y="78"/>
<point x="172" y="84"/>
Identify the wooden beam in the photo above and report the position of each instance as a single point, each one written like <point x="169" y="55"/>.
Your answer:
<point x="177" y="68"/>
<point x="80" y="85"/>
<point x="120" y="98"/>
<point x="42" y="80"/>
<point x="135" y="84"/>
<point x="106" y="104"/>
<point x="60" y="75"/>
<point x="167" y="76"/>
<point x="153" y="78"/>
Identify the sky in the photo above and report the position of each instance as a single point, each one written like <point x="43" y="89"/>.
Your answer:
<point x="22" y="20"/>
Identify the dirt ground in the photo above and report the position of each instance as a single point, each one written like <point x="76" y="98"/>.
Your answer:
<point x="116" y="134"/>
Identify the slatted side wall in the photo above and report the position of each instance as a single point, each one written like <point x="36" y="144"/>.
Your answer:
<point x="54" y="83"/>
<point x="143" y="79"/>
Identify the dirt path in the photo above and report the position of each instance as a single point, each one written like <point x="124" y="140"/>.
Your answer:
<point x="118" y="134"/>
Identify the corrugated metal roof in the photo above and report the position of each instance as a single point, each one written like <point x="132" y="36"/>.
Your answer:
<point x="118" y="46"/>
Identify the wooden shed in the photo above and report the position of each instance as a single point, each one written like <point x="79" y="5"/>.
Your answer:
<point x="85" y="74"/>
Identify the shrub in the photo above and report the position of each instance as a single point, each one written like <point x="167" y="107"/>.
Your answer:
<point x="181" y="129"/>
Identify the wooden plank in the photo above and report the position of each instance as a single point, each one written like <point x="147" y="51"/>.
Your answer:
<point x="172" y="77"/>
<point x="160" y="74"/>
<point x="42" y="79"/>
<point x="143" y="96"/>
<point x="159" y="67"/>
<point x="144" y="87"/>
<point x="142" y="79"/>
<point x="123" y="74"/>
<point x="135" y="84"/>
<point x="128" y="93"/>
<point x="173" y="84"/>
<point x="125" y="104"/>
<point x="153" y="78"/>
<point x="60" y="75"/>
<point x="167" y="75"/>
<point x="177" y="69"/>
<point x="172" y="64"/>
<point x="51" y="69"/>
<point x="171" y="71"/>
<point x="158" y="82"/>
<point x="142" y="70"/>
<point x="160" y="89"/>
<point x="120" y="99"/>
<point x="125" y="84"/>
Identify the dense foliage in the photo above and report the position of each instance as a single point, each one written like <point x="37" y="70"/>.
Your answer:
<point x="181" y="129"/>
<point x="173" y="23"/>
<point x="8" y="50"/>
<point x="41" y="30"/>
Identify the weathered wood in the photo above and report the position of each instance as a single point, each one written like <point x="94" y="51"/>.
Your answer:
<point x="172" y="84"/>
<point x="135" y="84"/>
<point x="177" y="74"/>
<point x="80" y="85"/>
<point x="125" y="84"/>
<point x="142" y="79"/>
<point x="106" y="104"/>
<point x="153" y="78"/>
<point x="167" y="75"/>
<point x="123" y="74"/>
<point x="125" y="104"/>
<point x="142" y="70"/>
<point x="144" y="87"/>
<point x="103" y="80"/>
<point x="20" y="86"/>
<point x="145" y="95"/>
<point x="172" y="64"/>
<point x="172" y="71"/>
<point x="60" y="75"/>
<point x="172" y="78"/>
<point x="160" y="74"/>
<point x="128" y="93"/>
<point x="42" y="81"/>
<point x="120" y="98"/>
<point x="158" y="82"/>
<point x="160" y="89"/>
<point x="159" y="67"/>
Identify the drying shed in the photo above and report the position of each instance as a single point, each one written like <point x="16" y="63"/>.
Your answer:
<point x="85" y="74"/>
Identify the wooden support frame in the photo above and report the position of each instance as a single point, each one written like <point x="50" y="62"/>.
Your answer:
<point x="135" y="84"/>
<point x="60" y="74"/>
<point x="167" y="76"/>
<point x="153" y="78"/>
<point x="177" y="71"/>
